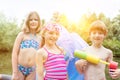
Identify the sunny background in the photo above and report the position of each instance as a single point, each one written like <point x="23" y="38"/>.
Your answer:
<point x="74" y="15"/>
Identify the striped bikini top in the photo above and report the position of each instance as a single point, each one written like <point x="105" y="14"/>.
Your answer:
<point x="55" y="66"/>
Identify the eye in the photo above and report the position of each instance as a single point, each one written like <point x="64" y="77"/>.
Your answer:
<point x="50" y="32"/>
<point x="36" y="19"/>
<point x="100" y="32"/>
<point x="94" y="32"/>
<point x="30" y="19"/>
<point x="33" y="19"/>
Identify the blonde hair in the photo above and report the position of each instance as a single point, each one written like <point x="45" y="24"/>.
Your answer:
<point x="98" y="25"/>
<point x="26" y="28"/>
<point x="48" y="27"/>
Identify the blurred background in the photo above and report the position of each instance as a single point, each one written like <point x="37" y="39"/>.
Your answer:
<point x="74" y="15"/>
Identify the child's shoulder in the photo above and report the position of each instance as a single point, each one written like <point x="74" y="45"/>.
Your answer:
<point x="62" y="49"/>
<point x="21" y="33"/>
<point x="40" y="50"/>
<point x="86" y="48"/>
<point x="107" y="50"/>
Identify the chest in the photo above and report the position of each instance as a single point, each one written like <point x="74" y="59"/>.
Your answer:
<point x="55" y="59"/>
<point x="99" y="53"/>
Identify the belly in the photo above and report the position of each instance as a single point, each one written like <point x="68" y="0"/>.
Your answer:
<point x="27" y="57"/>
<point x="93" y="73"/>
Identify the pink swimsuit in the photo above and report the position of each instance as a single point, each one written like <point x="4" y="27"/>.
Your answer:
<point x="55" y="67"/>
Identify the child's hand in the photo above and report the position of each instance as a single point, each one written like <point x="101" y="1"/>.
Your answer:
<point x="114" y="73"/>
<point x="15" y="76"/>
<point x="81" y="65"/>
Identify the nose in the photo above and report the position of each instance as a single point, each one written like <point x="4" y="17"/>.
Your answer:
<point x="54" y="35"/>
<point x="33" y="20"/>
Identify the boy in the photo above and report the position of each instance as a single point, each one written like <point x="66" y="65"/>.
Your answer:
<point x="91" y="71"/>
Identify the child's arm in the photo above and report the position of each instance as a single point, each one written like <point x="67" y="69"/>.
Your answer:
<point x="39" y="64"/>
<point x="112" y="72"/>
<point x="81" y="65"/>
<point x="15" y="53"/>
<point x="110" y="56"/>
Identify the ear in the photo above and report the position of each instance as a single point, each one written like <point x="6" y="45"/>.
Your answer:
<point x="105" y="35"/>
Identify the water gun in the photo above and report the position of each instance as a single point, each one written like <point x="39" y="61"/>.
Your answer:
<point x="93" y="59"/>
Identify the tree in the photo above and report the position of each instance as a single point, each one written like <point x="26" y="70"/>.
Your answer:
<point x="8" y="32"/>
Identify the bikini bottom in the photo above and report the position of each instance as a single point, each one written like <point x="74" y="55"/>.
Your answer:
<point x="26" y="70"/>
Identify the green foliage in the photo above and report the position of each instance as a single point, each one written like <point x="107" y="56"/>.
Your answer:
<point x="112" y="40"/>
<point x="114" y="45"/>
<point x="8" y="32"/>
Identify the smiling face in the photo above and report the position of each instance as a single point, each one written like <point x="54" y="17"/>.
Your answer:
<point x="33" y="21"/>
<point x="51" y="33"/>
<point x="97" y="32"/>
<point x="97" y="37"/>
<point x="51" y="36"/>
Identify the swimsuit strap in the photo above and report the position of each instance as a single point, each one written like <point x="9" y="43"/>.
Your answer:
<point x="46" y="50"/>
<point x="50" y="52"/>
<point x="55" y="66"/>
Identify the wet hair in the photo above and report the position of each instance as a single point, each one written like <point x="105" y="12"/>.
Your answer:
<point x="26" y="28"/>
<point x="98" y="25"/>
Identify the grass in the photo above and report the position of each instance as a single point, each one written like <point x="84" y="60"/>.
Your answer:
<point x="5" y="63"/>
<point x="6" y="68"/>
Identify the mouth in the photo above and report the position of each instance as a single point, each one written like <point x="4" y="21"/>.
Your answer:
<point x="96" y="38"/>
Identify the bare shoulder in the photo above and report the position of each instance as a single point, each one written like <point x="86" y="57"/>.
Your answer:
<point x="20" y="35"/>
<point x="40" y="51"/>
<point x="61" y="48"/>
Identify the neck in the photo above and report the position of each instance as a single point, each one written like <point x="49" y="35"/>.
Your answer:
<point x="50" y="46"/>
<point x="97" y="45"/>
<point x="33" y="35"/>
<point x="32" y="31"/>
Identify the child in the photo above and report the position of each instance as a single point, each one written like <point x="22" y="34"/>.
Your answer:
<point x="91" y="71"/>
<point x="51" y="57"/>
<point x="25" y="47"/>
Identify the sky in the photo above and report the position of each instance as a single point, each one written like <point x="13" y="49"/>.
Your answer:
<point x="74" y="9"/>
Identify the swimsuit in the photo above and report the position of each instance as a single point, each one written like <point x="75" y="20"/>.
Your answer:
<point x="26" y="70"/>
<point x="29" y="44"/>
<point x="55" y="67"/>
